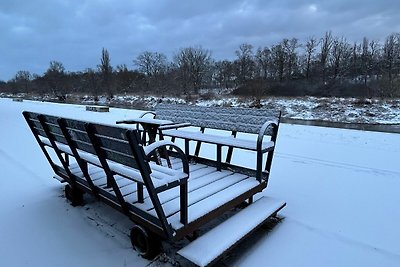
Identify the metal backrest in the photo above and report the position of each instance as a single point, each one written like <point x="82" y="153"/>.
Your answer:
<point x="45" y="126"/>
<point x="112" y="142"/>
<point x="232" y="119"/>
<point x="78" y="135"/>
<point x="114" y="145"/>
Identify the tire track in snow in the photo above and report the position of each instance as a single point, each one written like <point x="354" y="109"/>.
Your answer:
<point x="355" y="167"/>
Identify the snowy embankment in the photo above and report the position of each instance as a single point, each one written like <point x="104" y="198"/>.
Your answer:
<point x="334" y="109"/>
<point x="331" y="109"/>
<point x="341" y="188"/>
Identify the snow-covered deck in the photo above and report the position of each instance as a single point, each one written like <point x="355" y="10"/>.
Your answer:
<point x="208" y="189"/>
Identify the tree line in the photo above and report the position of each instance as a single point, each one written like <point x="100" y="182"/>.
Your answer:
<point x="326" y="66"/>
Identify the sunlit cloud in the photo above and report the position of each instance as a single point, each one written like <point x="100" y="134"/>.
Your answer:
<point x="312" y="8"/>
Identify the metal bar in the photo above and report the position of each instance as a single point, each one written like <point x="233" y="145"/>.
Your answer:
<point x="160" y="134"/>
<point x="274" y="136"/>
<point x="81" y="163"/>
<point x="184" y="202"/>
<point x="164" y="151"/>
<point x="264" y="128"/>
<point x="145" y="170"/>
<point x="173" y="141"/>
<point x="271" y="153"/>
<point x="66" y="158"/>
<point x="251" y="200"/>
<point x="198" y="145"/>
<point x="166" y="156"/>
<point x="140" y="195"/>
<point x="259" y="166"/>
<point x="110" y="176"/>
<point x="144" y="134"/>
<point x="46" y="129"/>
<point x="187" y="147"/>
<point x="41" y="145"/>
<point x="219" y="157"/>
<point x="230" y="149"/>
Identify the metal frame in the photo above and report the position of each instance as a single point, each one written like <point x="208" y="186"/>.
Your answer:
<point x="58" y="130"/>
<point x="159" y="224"/>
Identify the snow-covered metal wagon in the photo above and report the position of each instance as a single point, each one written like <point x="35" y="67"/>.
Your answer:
<point x="169" y="192"/>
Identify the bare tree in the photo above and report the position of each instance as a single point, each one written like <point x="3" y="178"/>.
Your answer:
<point x="310" y="47"/>
<point x="326" y="45"/>
<point x="224" y="73"/>
<point x="106" y="72"/>
<point x="374" y="48"/>
<point x="194" y="67"/>
<point x="22" y="79"/>
<point x="278" y="60"/>
<point x="391" y="54"/>
<point x="365" y="59"/>
<point x="338" y="52"/>
<point x="391" y="62"/>
<point x="154" y="65"/>
<point x="291" y="58"/>
<point x="263" y="62"/>
<point x="91" y="81"/>
<point x="55" y="76"/>
<point x="151" y="63"/>
<point x="245" y="64"/>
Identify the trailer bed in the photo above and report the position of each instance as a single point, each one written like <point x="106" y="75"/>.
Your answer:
<point x="168" y="192"/>
<point x="208" y="189"/>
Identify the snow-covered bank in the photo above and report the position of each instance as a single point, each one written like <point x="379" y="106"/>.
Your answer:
<point x="333" y="109"/>
<point x="341" y="188"/>
<point x="346" y="110"/>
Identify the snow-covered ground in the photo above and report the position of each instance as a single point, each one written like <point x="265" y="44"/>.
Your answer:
<point x="342" y="189"/>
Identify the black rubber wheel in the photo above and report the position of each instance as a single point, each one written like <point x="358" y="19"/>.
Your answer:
<point x="147" y="244"/>
<point x="74" y="195"/>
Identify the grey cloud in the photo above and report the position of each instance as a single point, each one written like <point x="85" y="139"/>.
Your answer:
<point x="73" y="32"/>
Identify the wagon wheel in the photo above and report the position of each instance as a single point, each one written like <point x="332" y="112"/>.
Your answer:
<point x="147" y="244"/>
<point x="74" y="195"/>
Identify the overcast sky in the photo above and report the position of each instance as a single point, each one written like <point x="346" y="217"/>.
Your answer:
<point x="34" y="32"/>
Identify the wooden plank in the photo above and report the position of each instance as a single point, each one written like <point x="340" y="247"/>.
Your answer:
<point x="192" y="167"/>
<point x="201" y="176"/>
<point x="93" y="170"/>
<point x="202" y="253"/>
<point x="126" y="186"/>
<point x="199" y="171"/>
<point x="104" y="185"/>
<point x="220" y="140"/>
<point x="196" y="196"/>
<point x="193" y="184"/>
<point x="207" y="205"/>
